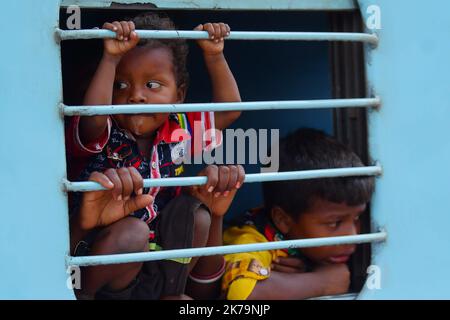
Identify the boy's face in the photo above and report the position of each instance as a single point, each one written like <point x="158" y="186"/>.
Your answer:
<point x="327" y="219"/>
<point x="145" y="76"/>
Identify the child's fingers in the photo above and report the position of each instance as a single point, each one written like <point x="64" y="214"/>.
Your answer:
<point x="212" y="172"/>
<point x="114" y="177"/>
<point x="232" y="181"/>
<point x="109" y="26"/>
<point x="126" y="30"/>
<point x="228" y="29"/>
<point x="217" y="32"/>
<point x="138" y="202"/>
<point x="224" y="176"/>
<point x="138" y="182"/>
<point x="209" y="27"/>
<point x="223" y="31"/>
<point x="102" y="179"/>
<point x="134" y="38"/>
<point x="241" y="176"/>
<point x="127" y="183"/>
<point x="199" y="27"/>
<point x="118" y="30"/>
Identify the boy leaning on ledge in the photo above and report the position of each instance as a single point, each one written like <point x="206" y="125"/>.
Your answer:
<point x="299" y="209"/>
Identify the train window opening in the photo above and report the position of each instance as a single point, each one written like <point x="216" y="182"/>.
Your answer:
<point x="278" y="70"/>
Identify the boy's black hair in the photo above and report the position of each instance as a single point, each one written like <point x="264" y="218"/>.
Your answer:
<point x="178" y="47"/>
<point x="310" y="149"/>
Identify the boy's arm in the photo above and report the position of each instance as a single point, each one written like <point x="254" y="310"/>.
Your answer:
<point x="101" y="208"/>
<point x="100" y="89"/>
<point x="324" y="281"/>
<point x="217" y="195"/>
<point x="99" y="93"/>
<point x="224" y="85"/>
<point x="208" y="265"/>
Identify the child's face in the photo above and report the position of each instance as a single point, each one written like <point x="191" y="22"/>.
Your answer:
<point x="145" y="76"/>
<point x="328" y="219"/>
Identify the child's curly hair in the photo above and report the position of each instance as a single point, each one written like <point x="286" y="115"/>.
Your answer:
<point x="178" y="47"/>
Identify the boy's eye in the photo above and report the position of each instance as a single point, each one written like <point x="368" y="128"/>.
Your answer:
<point x="153" y="85"/>
<point x="121" y="85"/>
<point x="334" y="224"/>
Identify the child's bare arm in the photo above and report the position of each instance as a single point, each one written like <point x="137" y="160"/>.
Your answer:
<point x="224" y="85"/>
<point x="217" y="195"/>
<point x="101" y="208"/>
<point x="324" y="281"/>
<point x="100" y="90"/>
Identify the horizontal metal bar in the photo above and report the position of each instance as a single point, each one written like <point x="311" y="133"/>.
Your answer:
<point x="221" y="106"/>
<point x="249" y="178"/>
<point x="210" y="251"/>
<point x="219" y="4"/>
<point x="234" y="35"/>
<point x="346" y="296"/>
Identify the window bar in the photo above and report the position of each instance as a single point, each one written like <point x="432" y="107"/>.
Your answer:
<point x="249" y="178"/>
<point x="234" y="35"/>
<point x="229" y="5"/>
<point x="210" y="251"/>
<point x="220" y="106"/>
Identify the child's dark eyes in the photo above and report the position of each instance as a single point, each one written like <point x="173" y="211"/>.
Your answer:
<point x="333" y="224"/>
<point x="153" y="85"/>
<point x="119" y="85"/>
<point x="337" y="223"/>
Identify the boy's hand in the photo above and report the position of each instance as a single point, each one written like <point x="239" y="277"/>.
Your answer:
<point x="288" y="265"/>
<point x="126" y="38"/>
<point x="218" y="193"/>
<point x="335" y="278"/>
<point x="217" y="33"/>
<point x="102" y="208"/>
